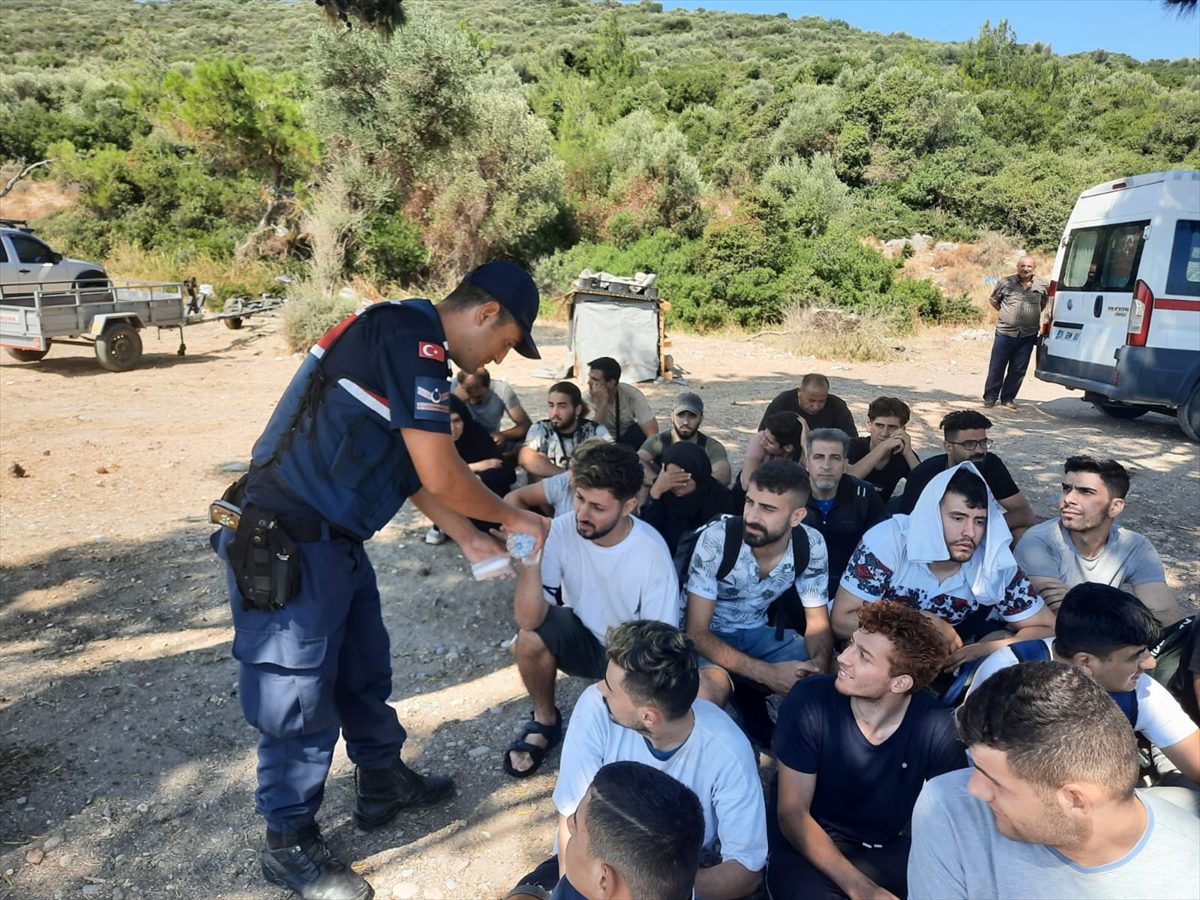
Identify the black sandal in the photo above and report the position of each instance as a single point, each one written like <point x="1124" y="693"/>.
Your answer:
<point x="553" y="735"/>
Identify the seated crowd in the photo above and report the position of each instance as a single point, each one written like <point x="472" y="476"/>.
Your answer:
<point x="959" y="700"/>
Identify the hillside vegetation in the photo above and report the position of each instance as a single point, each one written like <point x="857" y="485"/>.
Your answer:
<point x="743" y="157"/>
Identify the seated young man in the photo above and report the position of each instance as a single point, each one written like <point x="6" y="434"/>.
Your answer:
<point x="488" y="400"/>
<point x="1050" y="808"/>
<point x="951" y="561"/>
<point x="599" y="568"/>
<point x="727" y="616"/>
<point x="840" y="506"/>
<point x="550" y="442"/>
<point x="1108" y="634"/>
<point x="854" y="751"/>
<point x="885" y="455"/>
<point x="646" y="710"/>
<point x="782" y="437"/>
<point x="620" y="407"/>
<point x="551" y="496"/>
<point x="636" y="833"/>
<point x="965" y="434"/>
<point x="686" y="419"/>
<point x="1086" y="544"/>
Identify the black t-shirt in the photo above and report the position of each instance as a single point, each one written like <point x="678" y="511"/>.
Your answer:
<point x="886" y="478"/>
<point x="834" y="414"/>
<point x="994" y="472"/>
<point x="864" y="792"/>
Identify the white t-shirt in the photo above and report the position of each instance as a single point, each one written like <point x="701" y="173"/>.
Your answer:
<point x="1159" y="716"/>
<point x="606" y="586"/>
<point x="716" y="762"/>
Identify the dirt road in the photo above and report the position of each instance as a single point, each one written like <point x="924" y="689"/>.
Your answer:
<point x="126" y="770"/>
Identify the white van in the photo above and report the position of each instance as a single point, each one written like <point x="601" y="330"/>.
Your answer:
<point x="1123" y="322"/>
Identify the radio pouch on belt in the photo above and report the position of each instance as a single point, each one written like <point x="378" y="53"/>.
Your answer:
<point x="264" y="561"/>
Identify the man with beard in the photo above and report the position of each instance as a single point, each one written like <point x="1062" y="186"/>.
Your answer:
<point x="686" y="420"/>
<point x="1084" y="544"/>
<point x="727" y="616"/>
<point x="601" y="567"/>
<point x="951" y="561"/>
<point x="550" y="442"/>
<point x="645" y="710"/>
<point x="1108" y="634"/>
<point x="622" y="408"/>
<point x="489" y="399"/>
<point x="1050" y="808"/>
<point x="854" y="751"/>
<point x="966" y="440"/>
<point x="840" y="506"/>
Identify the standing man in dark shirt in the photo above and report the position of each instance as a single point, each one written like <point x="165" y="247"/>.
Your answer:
<point x="1020" y="300"/>
<point x="363" y="426"/>
<point x="965" y="439"/>
<point x="813" y="403"/>
<point x="854" y="751"/>
<point x="839" y="506"/>
<point x="886" y="455"/>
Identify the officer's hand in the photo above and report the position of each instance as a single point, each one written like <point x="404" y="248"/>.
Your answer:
<point x="479" y="547"/>
<point x="527" y="522"/>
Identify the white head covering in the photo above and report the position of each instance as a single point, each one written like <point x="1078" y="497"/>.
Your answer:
<point x="992" y="567"/>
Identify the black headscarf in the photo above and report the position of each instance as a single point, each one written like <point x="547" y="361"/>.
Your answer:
<point x="476" y="444"/>
<point x="674" y="516"/>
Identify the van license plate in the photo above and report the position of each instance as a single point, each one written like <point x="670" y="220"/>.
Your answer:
<point x="1068" y="333"/>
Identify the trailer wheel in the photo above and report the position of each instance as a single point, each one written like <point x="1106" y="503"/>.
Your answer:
<point x="24" y="354"/>
<point x="119" y="349"/>
<point x="233" y="323"/>
<point x="1118" y="411"/>
<point x="1189" y="414"/>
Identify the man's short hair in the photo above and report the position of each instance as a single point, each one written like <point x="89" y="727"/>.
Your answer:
<point x="970" y="487"/>
<point x="889" y="406"/>
<point x="917" y="648"/>
<point x="612" y="467"/>
<point x="468" y="296"/>
<point x="829" y="435"/>
<point x="1100" y="619"/>
<point x="608" y="367"/>
<point x="782" y="476"/>
<point x="814" y="380"/>
<point x="647" y="826"/>
<point x="1114" y="475"/>
<point x="484" y="376"/>
<point x="786" y="428"/>
<point x="1054" y="725"/>
<point x="963" y="420"/>
<point x="660" y="664"/>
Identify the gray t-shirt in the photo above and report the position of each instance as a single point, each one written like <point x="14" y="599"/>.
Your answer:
<point x="1127" y="559"/>
<point x="557" y="489"/>
<point x="958" y="853"/>
<point x="490" y="411"/>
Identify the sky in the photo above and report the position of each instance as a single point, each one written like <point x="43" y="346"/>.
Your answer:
<point x="1142" y="29"/>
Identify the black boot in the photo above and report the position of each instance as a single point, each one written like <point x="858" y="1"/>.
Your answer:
<point x="299" y="860"/>
<point x="381" y="793"/>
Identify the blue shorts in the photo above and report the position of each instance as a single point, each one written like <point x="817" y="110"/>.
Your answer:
<point x="760" y="643"/>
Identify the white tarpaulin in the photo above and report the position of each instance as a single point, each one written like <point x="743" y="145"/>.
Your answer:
<point x="617" y="317"/>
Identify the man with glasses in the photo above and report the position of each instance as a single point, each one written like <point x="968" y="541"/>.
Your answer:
<point x="966" y="440"/>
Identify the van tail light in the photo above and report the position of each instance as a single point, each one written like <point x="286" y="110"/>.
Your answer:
<point x="1140" y="311"/>
<point x="1050" y="294"/>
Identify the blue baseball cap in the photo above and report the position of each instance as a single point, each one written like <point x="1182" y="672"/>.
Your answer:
<point x="513" y="288"/>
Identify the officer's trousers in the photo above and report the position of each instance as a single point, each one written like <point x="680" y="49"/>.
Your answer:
<point x="319" y="665"/>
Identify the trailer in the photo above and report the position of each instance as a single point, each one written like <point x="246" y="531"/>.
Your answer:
<point x="109" y="316"/>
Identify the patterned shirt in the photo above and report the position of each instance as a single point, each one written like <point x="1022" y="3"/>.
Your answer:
<point x="881" y="571"/>
<point x="742" y="596"/>
<point x="558" y="447"/>
<point x="1020" y="307"/>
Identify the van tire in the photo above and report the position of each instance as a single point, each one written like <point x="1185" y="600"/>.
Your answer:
<point x="1189" y="414"/>
<point x="1120" y="411"/>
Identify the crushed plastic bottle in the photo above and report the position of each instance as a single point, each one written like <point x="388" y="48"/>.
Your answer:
<point x="520" y="546"/>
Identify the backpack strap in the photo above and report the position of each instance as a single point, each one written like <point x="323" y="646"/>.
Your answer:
<point x="733" y="546"/>
<point x="1030" y="651"/>
<point x="1128" y="702"/>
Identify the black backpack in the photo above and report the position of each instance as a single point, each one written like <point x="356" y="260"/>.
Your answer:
<point x="786" y="611"/>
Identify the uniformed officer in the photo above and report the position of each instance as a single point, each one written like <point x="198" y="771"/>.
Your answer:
<point x="363" y="425"/>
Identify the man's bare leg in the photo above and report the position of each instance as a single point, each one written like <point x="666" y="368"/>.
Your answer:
<point x="538" y="670"/>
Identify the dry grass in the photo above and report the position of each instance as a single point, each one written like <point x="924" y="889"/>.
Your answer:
<point x="249" y="278"/>
<point x="836" y="334"/>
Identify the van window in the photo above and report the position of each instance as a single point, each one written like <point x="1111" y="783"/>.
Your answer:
<point x="1183" y="277"/>
<point x="1104" y="258"/>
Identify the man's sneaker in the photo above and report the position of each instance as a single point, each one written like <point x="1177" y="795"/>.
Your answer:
<point x="988" y="404"/>
<point x="435" y="536"/>
<point x="304" y="864"/>
<point x="381" y="793"/>
<point x="1010" y="404"/>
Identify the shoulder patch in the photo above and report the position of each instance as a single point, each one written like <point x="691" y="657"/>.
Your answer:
<point x="432" y="400"/>
<point x="430" y="350"/>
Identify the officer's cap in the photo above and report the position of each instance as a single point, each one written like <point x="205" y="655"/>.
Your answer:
<point x="513" y="288"/>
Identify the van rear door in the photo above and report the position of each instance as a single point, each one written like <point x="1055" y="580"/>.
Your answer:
<point x="1095" y="290"/>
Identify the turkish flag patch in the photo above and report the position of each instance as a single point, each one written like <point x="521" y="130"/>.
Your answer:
<point x="430" y="350"/>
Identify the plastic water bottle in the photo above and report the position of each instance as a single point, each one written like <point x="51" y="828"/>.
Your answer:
<point x="520" y="545"/>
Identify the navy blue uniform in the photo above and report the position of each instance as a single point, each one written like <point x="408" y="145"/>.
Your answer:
<point x="332" y="461"/>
